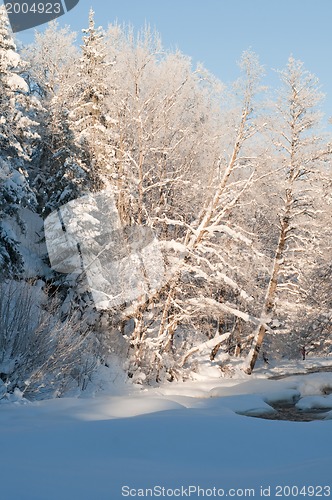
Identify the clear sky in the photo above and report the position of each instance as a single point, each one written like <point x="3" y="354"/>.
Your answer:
<point x="216" y="32"/>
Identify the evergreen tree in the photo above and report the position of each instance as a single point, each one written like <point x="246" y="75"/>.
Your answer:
<point x="17" y="144"/>
<point x="88" y="117"/>
<point x="59" y="178"/>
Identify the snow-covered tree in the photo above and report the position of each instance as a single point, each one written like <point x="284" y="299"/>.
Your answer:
<point x="52" y="58"/>
<point x="301" y="154"/>
<point x="163" y="127"/>
<point x="17" y="143"/>
<point x="189" y="308"/>
<point x="89" y="119"/>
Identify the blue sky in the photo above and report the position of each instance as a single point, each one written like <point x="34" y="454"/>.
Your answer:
<point x="216" y="32"/>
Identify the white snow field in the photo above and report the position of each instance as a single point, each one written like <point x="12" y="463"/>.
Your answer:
<point x="177" y="440"/>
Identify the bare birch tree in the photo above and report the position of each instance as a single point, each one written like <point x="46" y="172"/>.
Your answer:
<point x="300" y="153"/>
<point x="197" y="260"/>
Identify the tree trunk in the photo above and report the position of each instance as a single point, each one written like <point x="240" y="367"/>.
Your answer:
<point x="272" y="287"/>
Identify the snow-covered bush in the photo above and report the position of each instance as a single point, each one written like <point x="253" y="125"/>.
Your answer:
<point x="40" y="351"/>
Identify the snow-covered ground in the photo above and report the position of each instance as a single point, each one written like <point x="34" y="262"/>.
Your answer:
<point x="180" y="435"/>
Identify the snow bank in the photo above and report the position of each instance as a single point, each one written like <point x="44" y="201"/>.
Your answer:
<point x="175" y="435"/>
<point x="309" y="402"/>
